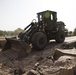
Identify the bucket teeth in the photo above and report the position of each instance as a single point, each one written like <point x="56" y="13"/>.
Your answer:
<point x="11" y="54"/>
<point x="15" y="49"/>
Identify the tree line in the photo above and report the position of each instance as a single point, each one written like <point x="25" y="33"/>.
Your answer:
<point x="70" y="33"/>
<point x="18" y="30"/>
<point x="10" y="33"/>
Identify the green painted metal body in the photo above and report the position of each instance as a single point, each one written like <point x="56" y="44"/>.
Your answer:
<point x="47" y="23"/>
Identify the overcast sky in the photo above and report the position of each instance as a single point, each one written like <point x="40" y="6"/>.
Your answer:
<point x="19" y="13"/>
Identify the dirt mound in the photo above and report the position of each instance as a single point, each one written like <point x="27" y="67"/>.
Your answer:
<point x="50" y="61"/>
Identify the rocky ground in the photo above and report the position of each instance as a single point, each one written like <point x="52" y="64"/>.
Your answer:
<point x="53" y="60"/>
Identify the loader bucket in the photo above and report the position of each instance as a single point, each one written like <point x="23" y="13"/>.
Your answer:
<point x="15" y="48"/>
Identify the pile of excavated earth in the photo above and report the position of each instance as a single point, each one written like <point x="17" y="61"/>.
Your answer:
<point x="55" y="59"/>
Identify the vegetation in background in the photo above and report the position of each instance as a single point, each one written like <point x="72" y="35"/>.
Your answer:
<point x="74" y="33"/>
<point x="10" y="33"/>
<point x="70" y="33"/>
<point x="18" y="30"/>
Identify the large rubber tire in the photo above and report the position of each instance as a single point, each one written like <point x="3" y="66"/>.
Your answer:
<point x="60" y="37"/>
<point x="39" y="40"/>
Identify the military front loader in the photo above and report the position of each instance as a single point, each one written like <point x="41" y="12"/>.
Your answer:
<point x="38" y="33"/>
